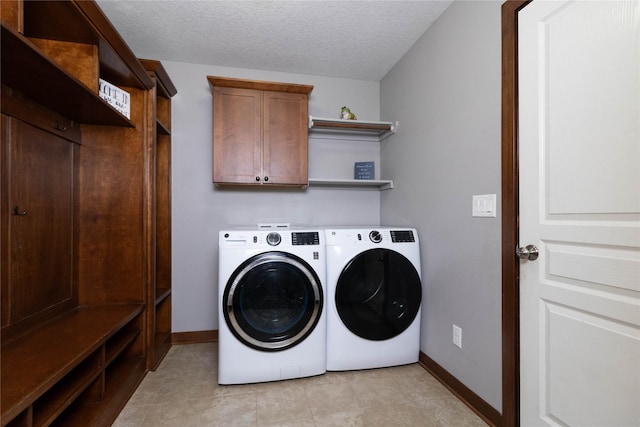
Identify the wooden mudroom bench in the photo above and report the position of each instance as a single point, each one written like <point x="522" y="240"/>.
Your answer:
<point x="64" y="362"/>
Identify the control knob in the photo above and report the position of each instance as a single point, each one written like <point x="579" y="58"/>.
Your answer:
<point x="375" y="236"/>
<point x="274" y="239"/>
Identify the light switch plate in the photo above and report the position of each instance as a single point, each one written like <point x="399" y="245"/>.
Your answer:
<point x="484" y="205"/>
<point x="457" y="336"/>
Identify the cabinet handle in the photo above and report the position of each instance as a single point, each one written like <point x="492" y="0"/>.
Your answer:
<point x="60" y="127"/>
<point x="257" y="178"/>
<point x="266" y="178"/>
<point x="17" y="211"/>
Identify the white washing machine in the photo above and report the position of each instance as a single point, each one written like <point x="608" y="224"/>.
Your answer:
<point x="272" y="321"/>
<point x="374" y="297"/>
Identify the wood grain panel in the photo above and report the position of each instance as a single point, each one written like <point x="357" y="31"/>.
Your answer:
<point x="5" y="238"/>
<point x="79" y="59"/>
<point x="194" y="337"/>
<point x="16" y="105"/>
<point x="285" y="138"/>
<point x="11" y="13"/>
<point x="259" y="85"/>
<point x="41" y="192"/>
<point x="113" y="239"/>
<point x="163" y="213"/>
<point x="237" y="138"/>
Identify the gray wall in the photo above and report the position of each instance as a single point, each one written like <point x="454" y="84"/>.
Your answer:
<point x="200" y="210"/>
<point x="445" y="92"/>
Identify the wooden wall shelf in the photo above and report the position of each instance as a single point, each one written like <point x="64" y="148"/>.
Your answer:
<point x="81" y="21"/>
<point x="27" y="69"/>
<point x="360" y="184"/>
<point x="356" y="128"/>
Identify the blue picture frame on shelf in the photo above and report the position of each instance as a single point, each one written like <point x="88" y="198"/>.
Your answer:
<point x="364" y="170"/>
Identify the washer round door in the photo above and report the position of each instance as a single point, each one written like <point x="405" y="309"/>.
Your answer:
<point x="378" y="294"/>
<point x="273" y="301"/>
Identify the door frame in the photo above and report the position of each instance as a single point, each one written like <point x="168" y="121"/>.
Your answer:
<point x="510" y="215"/>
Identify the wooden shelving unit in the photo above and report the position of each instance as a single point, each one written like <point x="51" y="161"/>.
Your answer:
<point x="85" y="218"/>
<point x="159" y="287"/>
<point x="19" y="54"/>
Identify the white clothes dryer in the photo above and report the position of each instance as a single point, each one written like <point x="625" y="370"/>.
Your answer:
<point x="272" y="311"/>
<point x="374" y="297"/>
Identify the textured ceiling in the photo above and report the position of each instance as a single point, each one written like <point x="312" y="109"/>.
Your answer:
<point x="349" y="39"/>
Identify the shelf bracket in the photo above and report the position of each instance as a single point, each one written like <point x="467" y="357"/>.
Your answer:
<point x="394" y="129"/>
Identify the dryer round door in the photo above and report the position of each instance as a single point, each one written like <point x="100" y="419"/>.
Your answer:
<point x="378" y="294"/>
<point x="273" y="301"/>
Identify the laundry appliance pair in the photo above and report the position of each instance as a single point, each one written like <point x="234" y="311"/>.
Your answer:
<point x="297" y="302"/>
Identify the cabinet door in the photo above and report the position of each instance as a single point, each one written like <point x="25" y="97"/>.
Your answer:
<point x="237" y="152"/>
<point x="285" y="138"/>
<point x="38" y="219"/>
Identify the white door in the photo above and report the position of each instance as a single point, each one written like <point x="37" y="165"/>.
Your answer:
<point x="579" y="151"/>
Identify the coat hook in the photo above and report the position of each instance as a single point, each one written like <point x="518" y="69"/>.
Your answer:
<point x="16" y="211"/>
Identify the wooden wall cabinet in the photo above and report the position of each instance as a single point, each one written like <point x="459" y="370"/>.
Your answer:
<point x="79" y="215"/>
<point x="260" y="132"/>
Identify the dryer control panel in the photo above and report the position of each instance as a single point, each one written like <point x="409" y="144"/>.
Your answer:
<point x="397" y="236"/>
<point x="403" y="236"/>
<point x="371" y="237"/>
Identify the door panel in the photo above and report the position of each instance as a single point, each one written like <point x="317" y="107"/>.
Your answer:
<point x="580" y="378"/>
<point x="285" y="138"/>
<point x="237" y="137"/>
<point x="589" y="71"/>
<point x="579" y="148"/>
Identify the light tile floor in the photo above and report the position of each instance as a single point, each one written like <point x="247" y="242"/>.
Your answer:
<point x="184" y="392"/>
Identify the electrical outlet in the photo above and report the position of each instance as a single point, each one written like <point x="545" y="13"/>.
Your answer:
<point x="457" y="336"/>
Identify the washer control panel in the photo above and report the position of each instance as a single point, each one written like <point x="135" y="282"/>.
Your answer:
<point x="305" y="238"/>
<point x="271" y="239"/>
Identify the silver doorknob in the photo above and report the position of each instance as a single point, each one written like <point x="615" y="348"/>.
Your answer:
<point x="530" y="252"/>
